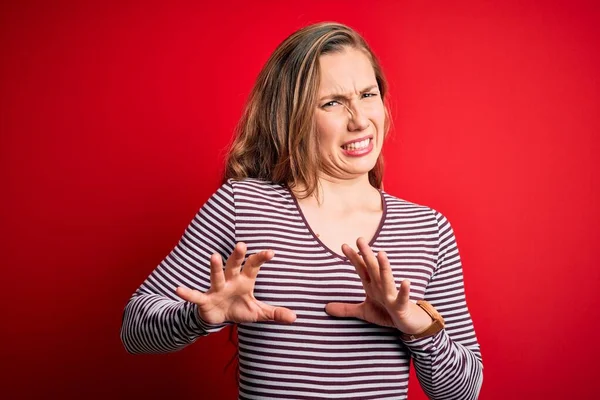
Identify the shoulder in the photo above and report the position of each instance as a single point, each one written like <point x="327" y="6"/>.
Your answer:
<point x="258" y="191"/>
<point x="401" y="209"/>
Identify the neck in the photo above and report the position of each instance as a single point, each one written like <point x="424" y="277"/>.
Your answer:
<point x="346" y="193"/>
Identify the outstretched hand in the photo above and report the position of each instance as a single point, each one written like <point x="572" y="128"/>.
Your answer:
<point x="231" y="294"/>
<point x="384" y="304"/>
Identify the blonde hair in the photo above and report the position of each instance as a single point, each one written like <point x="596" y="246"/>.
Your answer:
<point x="276" y="137"/>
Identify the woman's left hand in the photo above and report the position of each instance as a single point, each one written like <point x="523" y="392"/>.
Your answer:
<point x="384" y="304"/>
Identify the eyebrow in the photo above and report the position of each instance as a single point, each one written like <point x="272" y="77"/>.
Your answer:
<point x="336" y="96"/>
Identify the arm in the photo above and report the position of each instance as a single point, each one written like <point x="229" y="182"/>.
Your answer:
<point x="155" y="319"/>
<point x="449" y="364"/>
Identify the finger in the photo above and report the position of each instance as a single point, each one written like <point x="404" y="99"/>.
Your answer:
<point x="403" y="293"/>
<point x="371" y="263"/>
<point x="387" y="277"/>
<point x="358" y="263"/>
<point x="235" y="260"/>
<point x="217" y="278"/>
<point x="255" y="261"/>
<point x="344" y="310"/>
<point x="193" y="296"/>
<point x="284" y="315"/>
<point x="277" y="314"/>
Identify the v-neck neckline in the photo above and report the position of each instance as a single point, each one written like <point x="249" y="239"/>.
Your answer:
<point x="315" y="237"/>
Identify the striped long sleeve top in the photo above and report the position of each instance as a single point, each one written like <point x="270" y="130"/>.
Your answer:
<point x="317" y="356"/>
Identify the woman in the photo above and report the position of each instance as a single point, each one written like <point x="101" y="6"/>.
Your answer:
<point x="303" y="181"/>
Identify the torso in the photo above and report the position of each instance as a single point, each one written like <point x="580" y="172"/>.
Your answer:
<point x="318" y="356"/>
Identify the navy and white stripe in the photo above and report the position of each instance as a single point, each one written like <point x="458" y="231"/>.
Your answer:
<point x="317" y="356"/>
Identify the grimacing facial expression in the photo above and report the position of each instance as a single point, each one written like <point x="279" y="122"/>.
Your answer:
<point x="350" y="115"/>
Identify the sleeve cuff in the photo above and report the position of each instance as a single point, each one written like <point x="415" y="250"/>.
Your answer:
<point x="425" y="347"/>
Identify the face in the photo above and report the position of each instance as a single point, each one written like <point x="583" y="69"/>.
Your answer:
<point x="350" y="115"/>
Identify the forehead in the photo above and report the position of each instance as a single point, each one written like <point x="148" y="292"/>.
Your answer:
<point x="348" y="70"/>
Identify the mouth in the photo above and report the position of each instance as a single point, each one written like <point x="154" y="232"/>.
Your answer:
<point x="357" y="145"/>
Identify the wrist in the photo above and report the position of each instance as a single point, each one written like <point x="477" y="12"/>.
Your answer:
<point x="432" y="322"/>
<point x="415" y="321"/>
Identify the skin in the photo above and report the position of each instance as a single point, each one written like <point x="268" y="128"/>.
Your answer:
<point x="349" y="107"/>
<point x="231" y="293"/>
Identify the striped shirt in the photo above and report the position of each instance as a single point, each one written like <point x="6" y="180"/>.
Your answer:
<point x="317" y="356"/>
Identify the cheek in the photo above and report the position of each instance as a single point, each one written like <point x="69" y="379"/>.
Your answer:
<point x="378" y="116"/>
<point x="328" y="131"/>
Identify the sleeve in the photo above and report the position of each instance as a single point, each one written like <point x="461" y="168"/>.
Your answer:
<point x="155" y="319"/>
<point x="448" y="364"/>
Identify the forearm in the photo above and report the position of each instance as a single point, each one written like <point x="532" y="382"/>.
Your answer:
<point x="156" y="324"/>
<point x="447" y="369"/>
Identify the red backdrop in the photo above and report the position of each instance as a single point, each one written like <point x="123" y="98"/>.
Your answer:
<point x="113" y="121"/>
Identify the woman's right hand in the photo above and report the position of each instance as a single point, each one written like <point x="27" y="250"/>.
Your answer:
<point x="231" y="294"/>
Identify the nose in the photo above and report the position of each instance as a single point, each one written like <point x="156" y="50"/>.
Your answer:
<point x="358" y="121"/>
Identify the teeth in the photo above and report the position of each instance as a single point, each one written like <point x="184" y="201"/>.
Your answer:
<point x="357" y="145"/>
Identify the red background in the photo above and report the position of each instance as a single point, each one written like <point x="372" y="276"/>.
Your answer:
<point x="113" y="121"/>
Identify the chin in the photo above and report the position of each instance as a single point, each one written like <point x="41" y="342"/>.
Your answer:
<point x="363" y="170"/>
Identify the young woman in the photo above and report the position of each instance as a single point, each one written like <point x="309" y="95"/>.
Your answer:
<point x="333" y="283"/>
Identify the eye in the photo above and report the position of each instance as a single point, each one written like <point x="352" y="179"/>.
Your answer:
<point x="330" y="104"/>
<point x="370" y="94"/>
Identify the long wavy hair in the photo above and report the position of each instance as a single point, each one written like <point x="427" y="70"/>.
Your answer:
<point x="276" y="138"/>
